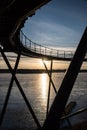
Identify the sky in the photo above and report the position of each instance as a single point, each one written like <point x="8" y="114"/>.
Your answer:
<point x="33" y="63"/>
<point x="60" y="23"/>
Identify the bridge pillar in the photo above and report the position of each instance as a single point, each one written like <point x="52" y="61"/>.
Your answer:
<point x="49" y="88"/>
<point x="50" y="76"/>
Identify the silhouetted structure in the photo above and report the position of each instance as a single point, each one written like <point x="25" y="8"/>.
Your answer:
<point x="13" y="14"/>
<point x="12" y="19"/>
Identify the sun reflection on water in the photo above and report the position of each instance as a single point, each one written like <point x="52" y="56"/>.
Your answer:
<point x="44" y="87"/>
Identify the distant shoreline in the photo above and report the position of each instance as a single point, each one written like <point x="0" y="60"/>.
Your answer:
<point x="34" y="71"/>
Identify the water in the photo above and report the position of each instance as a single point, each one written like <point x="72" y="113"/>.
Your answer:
<point x="35" y="86"/>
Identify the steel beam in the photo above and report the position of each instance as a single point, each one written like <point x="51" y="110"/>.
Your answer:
<point x="49" y="88"/>
<point x="9" y="90"/>
<point x="21" y="90"/>
<point x="53" y="118"/>
<point x="50" y="77"/>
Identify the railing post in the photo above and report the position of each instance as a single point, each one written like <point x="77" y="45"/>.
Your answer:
<point x="64" y="54"/>
<point x="34" y="47"/>
<point x="45" y="50"/>
<point x="51" y="52"/>
<point x="30" y="44"/>
<point x="40" y="49"/>
<point x="57" y="53"/>
<point x="25" y="42"/>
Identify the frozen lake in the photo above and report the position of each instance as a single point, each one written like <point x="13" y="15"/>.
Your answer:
<point x="35" y="86"/>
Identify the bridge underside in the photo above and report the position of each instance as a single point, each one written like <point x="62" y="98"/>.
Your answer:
<point x="13" y="14"/>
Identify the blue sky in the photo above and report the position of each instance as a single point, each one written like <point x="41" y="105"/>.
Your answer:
<point x="60" y="23"/>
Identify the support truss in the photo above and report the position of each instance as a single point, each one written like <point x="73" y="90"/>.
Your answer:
<point x="13" y="72"/>
<point x="49" y="88"/>
<point x="53" y="118"/>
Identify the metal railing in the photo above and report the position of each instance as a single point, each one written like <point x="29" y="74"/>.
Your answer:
<point x="46" y="51"/>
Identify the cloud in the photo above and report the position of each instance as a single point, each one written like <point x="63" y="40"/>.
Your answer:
<point x="51" y="33"/>
<point x="58" y="24"/>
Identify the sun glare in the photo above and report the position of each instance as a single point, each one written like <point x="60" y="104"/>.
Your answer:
<point x="44" y="86"/>
<point x="45" y="61"/>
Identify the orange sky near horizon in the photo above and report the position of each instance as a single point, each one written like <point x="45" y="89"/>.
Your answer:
<point x="32" y="63"/>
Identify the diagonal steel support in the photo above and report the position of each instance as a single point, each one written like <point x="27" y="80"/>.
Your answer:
<point x="53" y="118"/>
<point x="49" y="88"/>
<point x="51" y="81"/>
<point x="20" y="88"/>
<point x="9" y="90"/>
<point x="49" y="76"/>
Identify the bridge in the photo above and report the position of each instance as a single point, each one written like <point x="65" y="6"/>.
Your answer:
<point x="39" y="51"/>
<point x="36" y="50"/>
<point x="12" y="40"/>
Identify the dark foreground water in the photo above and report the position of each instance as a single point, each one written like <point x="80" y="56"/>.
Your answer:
<point x="35" y="86"/>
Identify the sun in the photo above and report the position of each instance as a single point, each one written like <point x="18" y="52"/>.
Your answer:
<point x="43" y="61"/>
